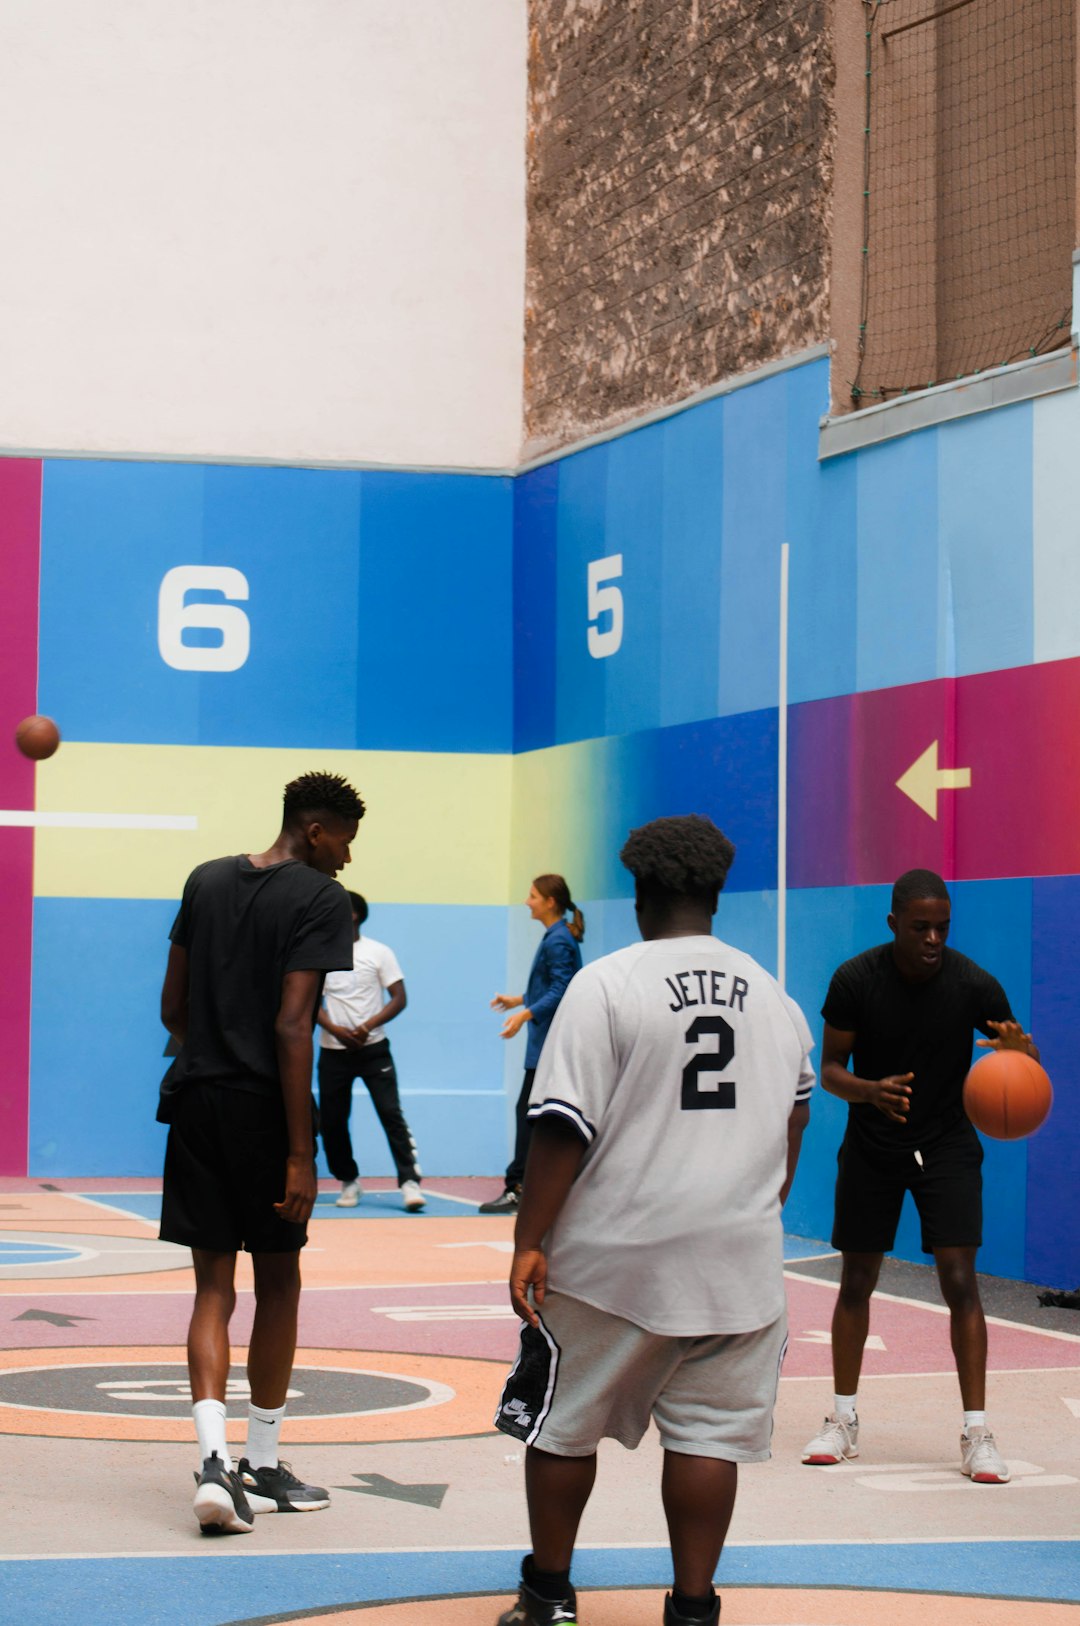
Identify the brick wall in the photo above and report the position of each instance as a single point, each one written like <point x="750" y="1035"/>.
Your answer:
<point x="679" y="167"/>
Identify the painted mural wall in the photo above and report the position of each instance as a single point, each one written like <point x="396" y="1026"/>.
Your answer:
<point x="933" y="639"/>
<point x="516" y="672"/>
<point x="204" y="634"/>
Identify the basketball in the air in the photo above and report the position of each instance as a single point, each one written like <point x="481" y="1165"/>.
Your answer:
<point x="1007" y="1095"/>
<point x="37" y="737"/>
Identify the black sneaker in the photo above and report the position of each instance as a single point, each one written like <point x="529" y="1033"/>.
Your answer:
<point x="506" y="1204"/>
<point x="532" y="1610"/>
<point x="672" y="1616"/>
<point x="279" y="1490"/>
<point x="221" y="1506"/>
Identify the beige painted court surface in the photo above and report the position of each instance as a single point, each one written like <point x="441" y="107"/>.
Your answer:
<point x="406" y="1337"/>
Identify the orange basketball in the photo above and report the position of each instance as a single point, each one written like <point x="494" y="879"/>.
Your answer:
<point x="1007" y="1095"/>
<point x="37" y="737"/>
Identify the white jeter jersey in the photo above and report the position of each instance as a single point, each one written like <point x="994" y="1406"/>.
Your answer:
<point x="350" y="997"/>
<point x="679" y="1062"/>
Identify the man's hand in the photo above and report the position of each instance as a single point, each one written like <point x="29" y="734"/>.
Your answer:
<point x="529" y="1269"/>
<point x="300" y="1190"/>
<point x="345" y="1036"/>
<point x="1010" y="1036"/>
<point x="514" y="1024"/>
<point x="892" y="1096"/>
<point x="507" y="1002"/>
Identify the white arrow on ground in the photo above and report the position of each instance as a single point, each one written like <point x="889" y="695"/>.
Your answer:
<point x="924" y="779"/>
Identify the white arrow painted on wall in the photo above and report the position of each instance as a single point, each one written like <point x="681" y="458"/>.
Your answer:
<point x="924" y="779"/>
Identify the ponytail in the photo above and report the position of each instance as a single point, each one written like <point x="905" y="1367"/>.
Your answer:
<point x="555" y="888"/>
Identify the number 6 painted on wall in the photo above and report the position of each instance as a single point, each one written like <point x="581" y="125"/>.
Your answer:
<point x="605" y="597"/>
<point x="175" y="615"/>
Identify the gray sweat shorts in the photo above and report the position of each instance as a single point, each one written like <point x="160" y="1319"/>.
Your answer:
<point x="584" y="1375"/>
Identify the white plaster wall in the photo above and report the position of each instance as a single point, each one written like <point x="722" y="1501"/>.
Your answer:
<point x="275" y="229"/>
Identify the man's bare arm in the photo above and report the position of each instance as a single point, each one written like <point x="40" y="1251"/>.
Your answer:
<point x="174" y="993"/>
<point x="891" y="1096"/>
<point x="555" y="1153"/>
<point x="800" y="1117"/>
<point x="293" y="1041"/>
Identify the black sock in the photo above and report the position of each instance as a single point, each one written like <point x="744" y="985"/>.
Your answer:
<point x="551" y="1585"/>
<point x="693" y="1608"/>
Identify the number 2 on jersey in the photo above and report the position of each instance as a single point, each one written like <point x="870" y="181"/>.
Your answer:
<point x="717" y="1093"/>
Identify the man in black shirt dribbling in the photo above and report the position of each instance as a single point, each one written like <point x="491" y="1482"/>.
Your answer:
<point x="904" y="1014"/>
<point x="251" y="944"/>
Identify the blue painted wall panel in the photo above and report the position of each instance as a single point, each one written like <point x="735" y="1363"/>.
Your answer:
<point x="581" y="683"/>
<point x="635" y="507"/>
<point x="693" y="520"/>
<point x="898" y="584"/>
<point x="94" y="1081"/>
<point x="378" y="606"/>
<point x="1053" y="1214"/>
<point x="755" y="515"/>
<point x="435" y="620"/>
<point x="985" y="501"/>
<point x="536" y="499"/>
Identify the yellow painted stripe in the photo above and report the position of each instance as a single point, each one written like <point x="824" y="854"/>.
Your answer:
<point x="555" y="804"/>
<point x="437" y="829"/>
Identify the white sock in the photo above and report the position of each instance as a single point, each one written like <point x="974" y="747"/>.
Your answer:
<point x="264" y="1429"/>
<point x="844" y="1407"/>
<point x="974" y="1419"/>
<point x="210" y="1427"/>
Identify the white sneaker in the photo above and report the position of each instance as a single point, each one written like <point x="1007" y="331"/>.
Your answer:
<point x="351" y="1193"/>
<point x="412" y="1196"/>
<point x="981" y="1460"/>
<point x="837" y="1441"/>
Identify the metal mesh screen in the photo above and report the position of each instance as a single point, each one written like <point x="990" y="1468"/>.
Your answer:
<point x="969" y="181"/>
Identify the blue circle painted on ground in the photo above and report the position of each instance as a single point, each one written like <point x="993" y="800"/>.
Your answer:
<point x="34" y="1253"/>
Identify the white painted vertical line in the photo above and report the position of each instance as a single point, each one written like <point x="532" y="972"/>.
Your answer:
<point x="781" y="777"/>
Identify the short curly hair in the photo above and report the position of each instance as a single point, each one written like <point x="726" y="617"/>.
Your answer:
<point x="686" y="856"/>
<point x="315" y="793"/>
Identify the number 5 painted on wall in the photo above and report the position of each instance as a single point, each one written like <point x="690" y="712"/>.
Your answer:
<point x="175" y="615"/>
<point x="605" y="598"/>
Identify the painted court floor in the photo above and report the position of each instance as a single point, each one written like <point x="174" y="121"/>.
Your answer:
<point x="406" y="1335"/>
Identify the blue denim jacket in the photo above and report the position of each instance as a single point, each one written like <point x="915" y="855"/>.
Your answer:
<point x="556" y="961"/>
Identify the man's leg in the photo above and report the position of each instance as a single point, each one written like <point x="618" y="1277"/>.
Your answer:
<point x="557" y="1489"/>
<point x="273" y="1334"/>
<point x="270" y="1483"/>
<point x="221" y="1505"/>
<point x="838" y="1438"/>
<point x="507" y="1201"/>
<point x="851" y="1318"/>
<point x="515" y="1172"/>
<point x="337" y="1069"/>
<point x="380" y="1076"/>
<point x="699" y="1497"/>
<point x="967" y="1323"/>
<point x="208" y="1332"/>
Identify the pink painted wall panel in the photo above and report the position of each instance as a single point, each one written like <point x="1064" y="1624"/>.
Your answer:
<point x="20" y="525"/>
<point x="1013" y="733"/>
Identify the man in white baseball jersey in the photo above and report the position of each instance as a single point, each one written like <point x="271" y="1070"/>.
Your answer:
<point x="668" y="1110"/>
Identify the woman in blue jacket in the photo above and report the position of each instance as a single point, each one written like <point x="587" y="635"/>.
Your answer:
<point x="556" y="961"/>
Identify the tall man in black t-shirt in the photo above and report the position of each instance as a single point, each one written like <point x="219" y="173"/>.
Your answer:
<point x="904" y="1013"/>
<point x="250" y="946"/>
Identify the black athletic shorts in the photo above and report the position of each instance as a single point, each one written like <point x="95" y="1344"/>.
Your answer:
<point x="946" y="1188"/>
<point x="224" y="1171"/>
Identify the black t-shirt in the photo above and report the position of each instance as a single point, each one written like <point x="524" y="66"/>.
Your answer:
<point x="244" y="929"/>
<point x="925" y="1028"/>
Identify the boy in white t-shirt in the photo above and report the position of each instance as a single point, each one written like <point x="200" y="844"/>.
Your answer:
<point x="356" y="1006"/>
<point x="668" y="1111"/>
